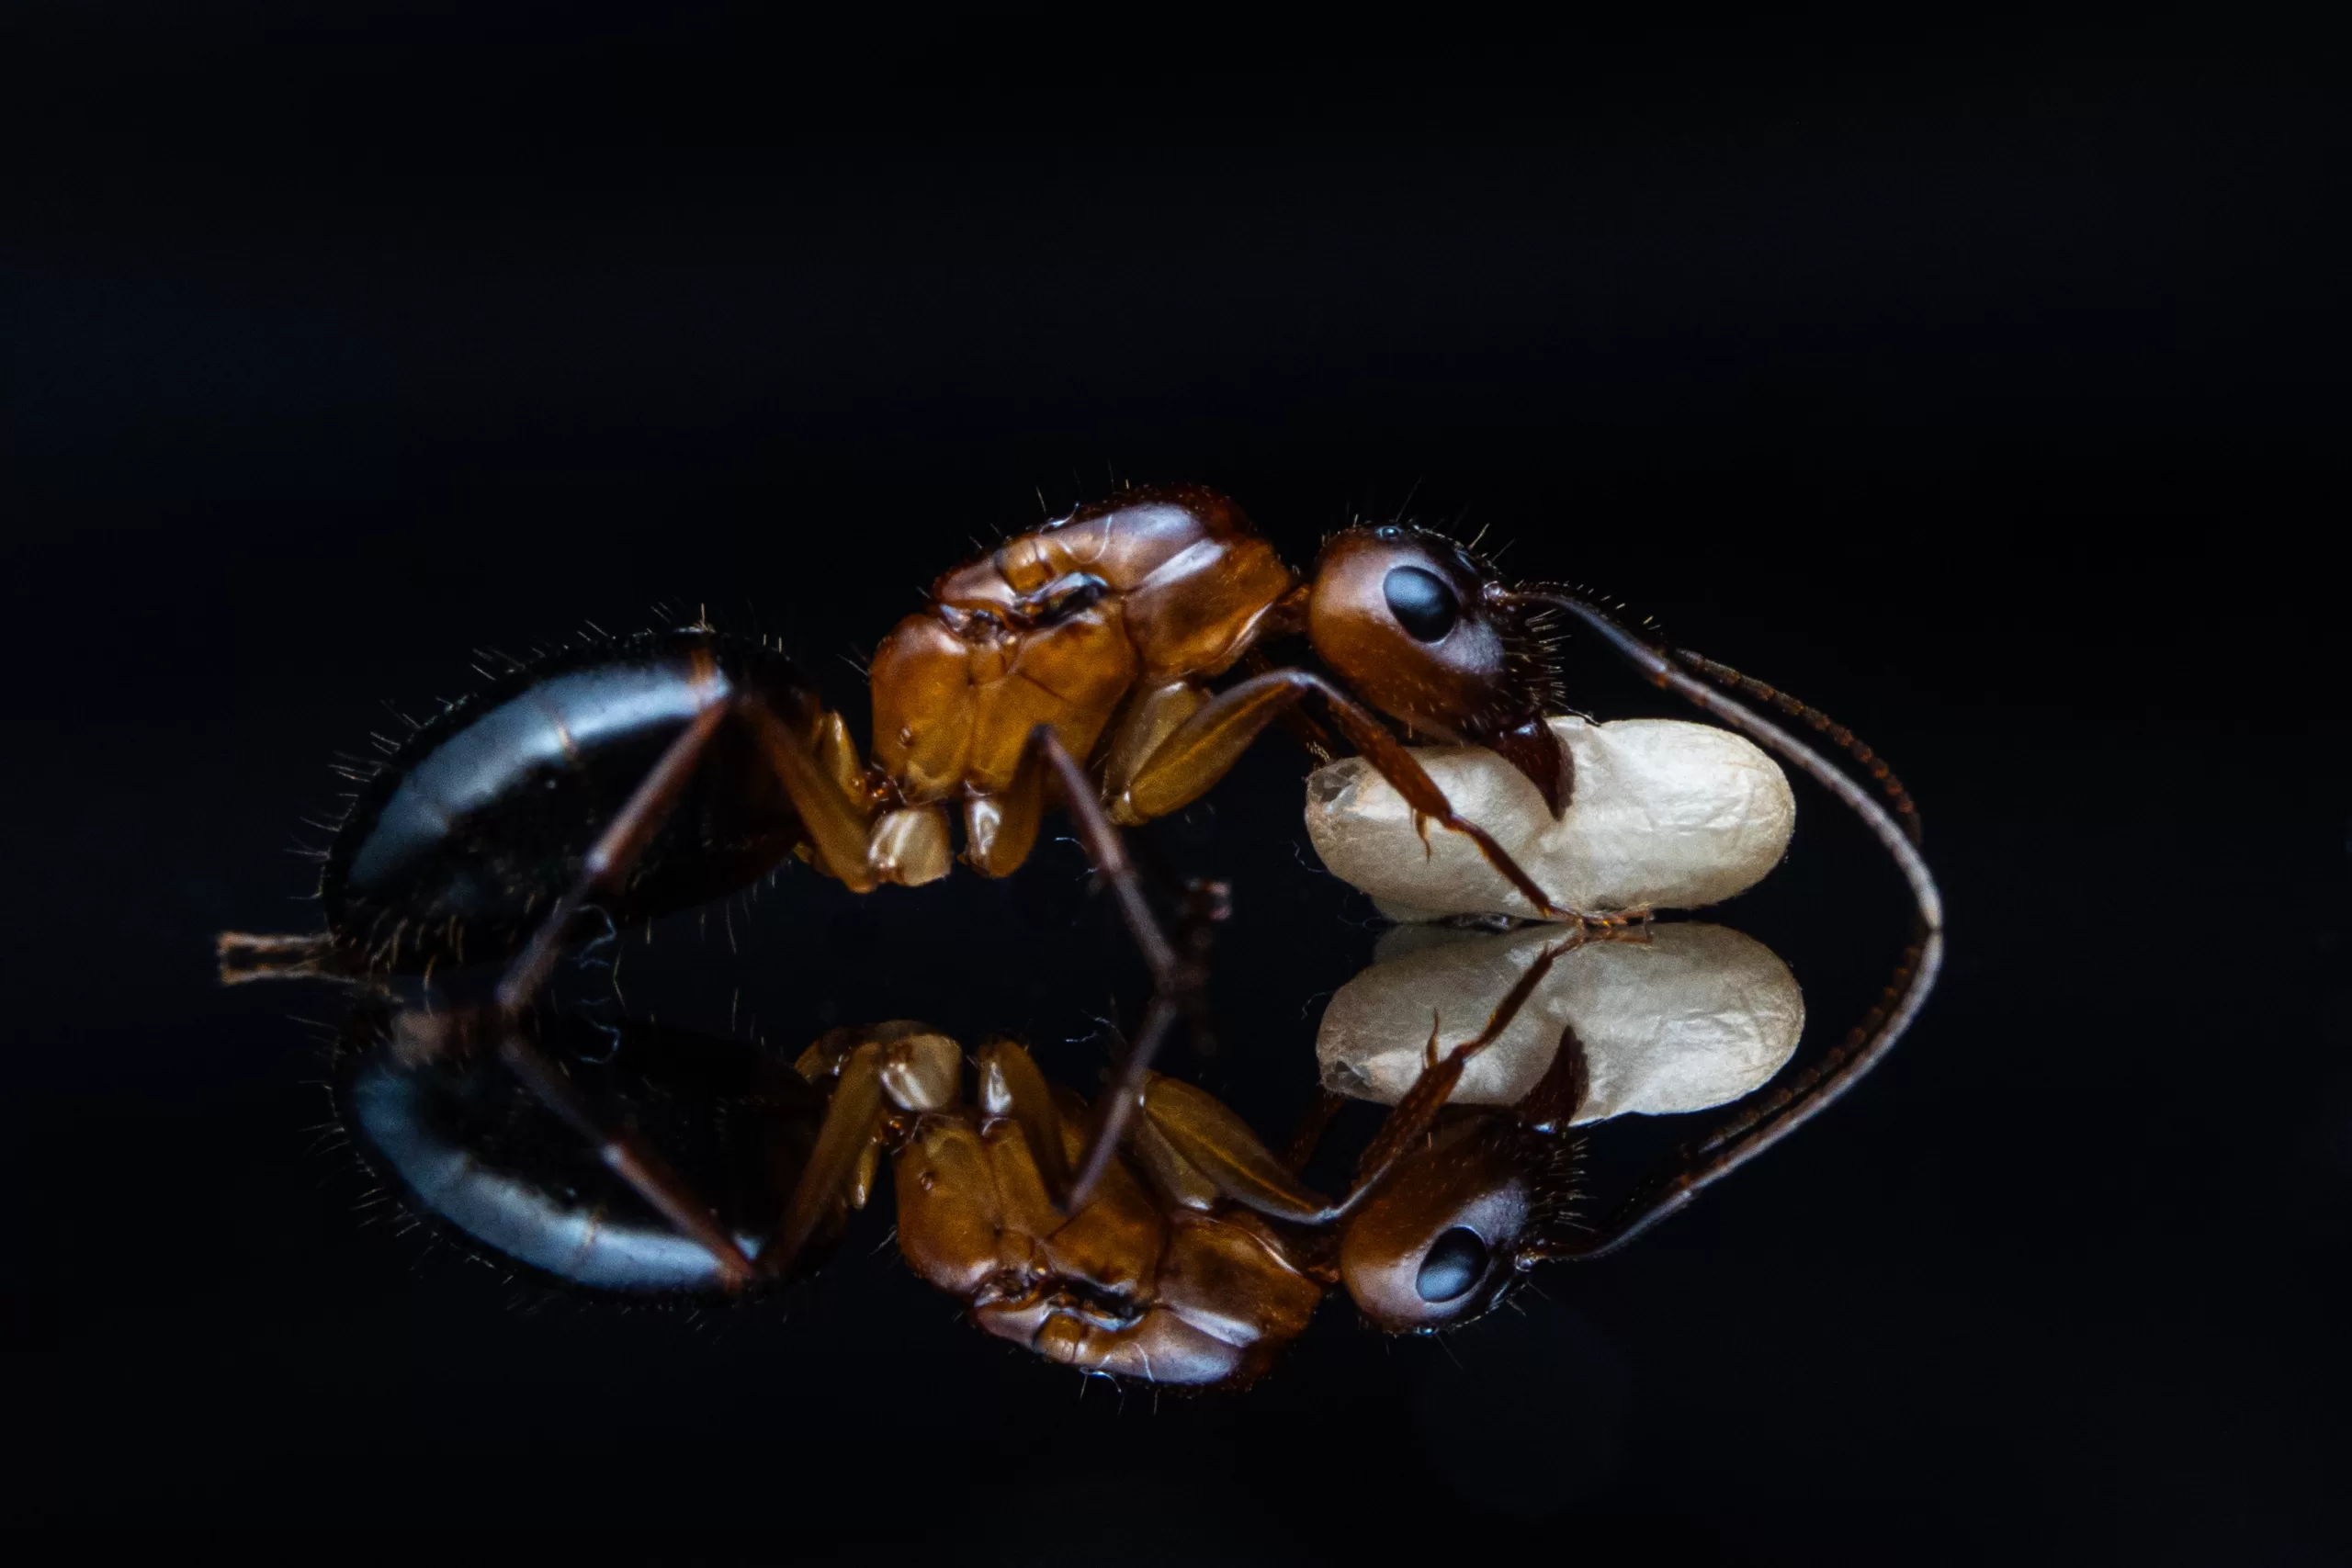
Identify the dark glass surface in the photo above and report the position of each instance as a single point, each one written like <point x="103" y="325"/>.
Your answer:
<point x="1984" y="387"/>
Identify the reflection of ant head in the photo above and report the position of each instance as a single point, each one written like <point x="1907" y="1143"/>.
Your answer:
<point x="1439" y="1242"/>
<point x="1406" y="618"/>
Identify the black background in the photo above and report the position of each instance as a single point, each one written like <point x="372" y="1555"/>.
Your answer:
<point x="1982" y="382"/>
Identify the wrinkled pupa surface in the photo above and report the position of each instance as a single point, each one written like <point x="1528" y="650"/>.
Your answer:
<point x="1666" y="815"/>
<point x="1697" y="1016"/>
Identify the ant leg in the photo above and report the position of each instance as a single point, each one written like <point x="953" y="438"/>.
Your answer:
<point x="610" y="858"/>
<point x="1313" y="1122"/>
<point x="1176" y="984"/>
<point x="1108" y="851"/>
<point x="1204" y="749"/>
<point x="850" y="1122"/>
<point x="1205" y="1134"/>
<point x="1012" y="1086"/>
<point x="904" y="1064"/>
<point x="1413" y="1114"/>
<point x="626" y="1156"/>
<point x="1221" y="1146"/>
<point x="834" y="821"/>
<point x="1120" y="1100"/>
<point x="837" y="822"/>
<point x="1001" y="829"/>
<point x="1150" y="719"/>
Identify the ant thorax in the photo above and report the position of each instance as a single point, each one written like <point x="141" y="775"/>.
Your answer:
<point x="1663" y="815"/>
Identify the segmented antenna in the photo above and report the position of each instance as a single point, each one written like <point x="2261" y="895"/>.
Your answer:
<point x="1870" y="762"/>
<point x="1777" y="1115"/>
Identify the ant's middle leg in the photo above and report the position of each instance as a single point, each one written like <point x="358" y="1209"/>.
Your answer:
<point x="628" y="1157"/>
<point x="1179" y="976"/>
<point x="1204" y="747"/>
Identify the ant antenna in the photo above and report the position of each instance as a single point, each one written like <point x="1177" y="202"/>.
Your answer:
<point x="1914" y="976"/>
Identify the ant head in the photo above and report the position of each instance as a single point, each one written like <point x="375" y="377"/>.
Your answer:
<point x="1441" y="1242"/>
<point x="1419" y="627"/>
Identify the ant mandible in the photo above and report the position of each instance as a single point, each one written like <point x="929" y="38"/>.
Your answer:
<point x="1090" y="642"/>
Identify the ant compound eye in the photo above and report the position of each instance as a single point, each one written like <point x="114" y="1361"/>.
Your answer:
<point x="1456" y="1261"/>
<point x="1422" y="603"/>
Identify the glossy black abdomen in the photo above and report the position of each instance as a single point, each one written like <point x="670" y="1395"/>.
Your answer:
<point x="482" y="820"/>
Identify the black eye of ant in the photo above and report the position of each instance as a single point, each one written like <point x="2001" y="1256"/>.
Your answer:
<point x="1455" y="1262"/>
<point x="1422" y="603"/>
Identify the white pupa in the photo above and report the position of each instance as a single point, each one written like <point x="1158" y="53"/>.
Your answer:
<point x="1696" y="1016"/>
<point x="1665" y="815"/>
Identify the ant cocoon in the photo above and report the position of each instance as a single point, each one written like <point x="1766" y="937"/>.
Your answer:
<point x="1688" y="1018"/>
<point x="1665" y="815"/>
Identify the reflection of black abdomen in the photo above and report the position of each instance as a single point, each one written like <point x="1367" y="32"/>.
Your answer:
<point x="483" y="819"/>
<point x="471" y="1153"/>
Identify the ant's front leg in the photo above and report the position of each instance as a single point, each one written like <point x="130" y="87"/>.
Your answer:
<point x="1204" y="747"/>
<point x="627" y="1156"/>
<point x="1211" y="1140"/>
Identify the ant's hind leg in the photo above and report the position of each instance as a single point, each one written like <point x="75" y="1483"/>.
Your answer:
<point x="833" y="820"/>
<point x="837" y="820"/>
<point x="902" y="1064"/>
<point x="610" y="858"/>
<point x="627" y="1155"/>
<point x="835" y="1166"/>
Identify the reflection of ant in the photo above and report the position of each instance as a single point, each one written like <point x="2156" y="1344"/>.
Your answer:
<point x="643" y="775"/>
<point x="1198" y="1256"/>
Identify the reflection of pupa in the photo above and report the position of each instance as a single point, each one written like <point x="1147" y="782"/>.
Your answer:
<point x="1696" y="1016"/>
<point x="1665" y="815"/>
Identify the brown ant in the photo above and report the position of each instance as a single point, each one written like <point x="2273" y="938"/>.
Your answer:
<point x="649" y="775"/>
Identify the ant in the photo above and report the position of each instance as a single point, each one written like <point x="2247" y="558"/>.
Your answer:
<point x="688" y="765"/>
